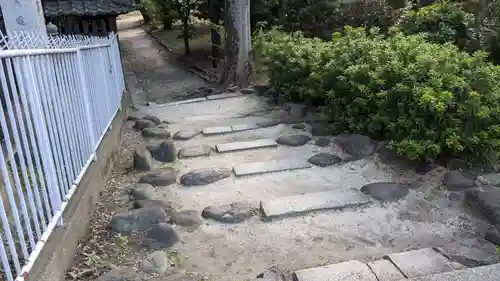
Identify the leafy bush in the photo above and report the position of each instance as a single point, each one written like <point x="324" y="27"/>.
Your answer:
<point x="427" y="99"/>
<point x="442" y="22"/>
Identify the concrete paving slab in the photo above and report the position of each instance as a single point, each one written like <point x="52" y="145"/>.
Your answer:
<point x="309" y="202"/>
<point x="217" y="130"/>
<point x="244" y="127"/>
<point x="269" y="167"/>
<point x="346" y="271"/>
<point x="223" y="96"/>
<point x="385" y="270"/>
<point x="483" y="273"/>
<point x="423" y="262"/>
<point x="175" y="103"/>
<point x="244" y="145"/>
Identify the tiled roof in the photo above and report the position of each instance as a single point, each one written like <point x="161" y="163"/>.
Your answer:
<point x="86" y="7"/>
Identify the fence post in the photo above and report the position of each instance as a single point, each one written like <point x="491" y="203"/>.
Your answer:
<point x="86" y="94"/>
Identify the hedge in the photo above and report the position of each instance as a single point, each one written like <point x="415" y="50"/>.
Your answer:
<point x="427" y="99"/>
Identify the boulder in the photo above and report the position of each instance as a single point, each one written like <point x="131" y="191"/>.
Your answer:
<point x="186" y="135"/>
<point x="489" y="179"/>
<point x="300" y="126"/>
<point x="195" y="151"/>
<point x="358" y="146"/>
<point x="187" y="218"/>
<point x="322" y="142"/>
<point x="321" y="129"/>
<point x="486" y="200"/>
<point x="272" y="274"/>
<point x="143" y="160"/>
<point x="160" y="177"/>
<point x="493" y="236"/>
<point x="458" y="180"/>
<point x="161" y="235"/>
<point x="269" y="123"/>
<point x="232" y="213"/>
<point x="143" y="124"/>
<point x="205" y="176"/>
<point x="138" y="204"/>
<point x="152" y="118"/>
<point x="165" y="152"/>
<point x="155" y="263"/>
<point x="155" y="133"/>
<point x="143" y="191"/>
<point x="137" y="220"/>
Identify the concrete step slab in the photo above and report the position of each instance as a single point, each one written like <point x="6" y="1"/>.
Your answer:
<point x="483" y="273"/>
<point x="385" y="270"/>
<point x="423" y="262"/>
<point x="309" y="202"/>
<point x="346" y="271"/>
<point x="269" y="167"/>
<point x="224" y="96"/>
<point x="244" y="145"/>
<point x="217" y="130"/>
<point x="175" y="103"/>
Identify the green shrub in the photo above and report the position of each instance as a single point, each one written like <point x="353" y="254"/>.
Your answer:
<point x="427" y="99"/>
<point x="441" y="22"/>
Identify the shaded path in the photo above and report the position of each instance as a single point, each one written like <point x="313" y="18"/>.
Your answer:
<point x="155" y="74"/>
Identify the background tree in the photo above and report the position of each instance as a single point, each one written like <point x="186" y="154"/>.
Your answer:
<point x="184" y="9"/>
<point x="237" y="44"/>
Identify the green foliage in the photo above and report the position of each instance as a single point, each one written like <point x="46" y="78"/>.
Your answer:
<point x="427" y="99"/>
<point x="441" y="22"/>
<point x="161" y="12"/>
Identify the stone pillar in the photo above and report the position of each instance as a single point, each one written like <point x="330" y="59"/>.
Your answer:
<point x="24" y="15"/>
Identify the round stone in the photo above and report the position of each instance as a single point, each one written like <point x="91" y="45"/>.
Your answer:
<point x="188" y="218"/>
<point x="152" y="118"/>
<point x="138" y="204"/>
<point x="232" y="213"/>
<point x="322" y="142"/>
<point x="165" y="152"/>
<point x="300" y="126"/>
<point x="386" y="191"/>
<point x="139" y="219"/>
<point x="143" y="191"/>
<point x="195" y="151"/>
<point x="155" y="133"/>
<point x="156" y="262"/>
<point x="205" y="176"/>
<point x="143" y="124"/>
<point x="293" y="140"/>
<point x="161" y="235"/>
<point x="142" y="158"/>
<point x="269" y="123"/>
<point x="324" y="159"/>
<point x="358" y="146"/>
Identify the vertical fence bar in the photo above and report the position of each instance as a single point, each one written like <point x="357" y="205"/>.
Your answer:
<point x="86" y="98"/>
<point x="5" y="259"/>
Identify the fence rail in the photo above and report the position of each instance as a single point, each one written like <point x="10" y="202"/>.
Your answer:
<point x="59" y="96"/>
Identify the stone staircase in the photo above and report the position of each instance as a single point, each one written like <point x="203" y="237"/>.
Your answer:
<point x="238" y="157"/>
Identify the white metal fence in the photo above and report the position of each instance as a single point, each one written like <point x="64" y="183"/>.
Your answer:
<point x="59" y="96"/>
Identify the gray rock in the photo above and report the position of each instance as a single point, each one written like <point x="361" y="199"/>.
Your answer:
<point x="142" y="158"/>
<point x="493" y="236"/>
<point x="162" y="235"/>
<point x="232" y="89"/>
<point x="458" y="180"/>
<point x="271" y="274"/>
<point x="160" y="177"/>
<point x="150" y="147"/>
<point x="386" y="191"/>
<point x="138" y="204"/>
<point x="466" y="261"/>
<point x="133" y="117"/>
<point x="489" y="179"/>
<point x="300" y="126"/>
<point x="232" y="213"/>
<point x="143" y="191"/>
<point x="155" y="133"/>
<point x="195" y="151"/>
<point x="140" y="220"/>
<point x="156" y="262"/>
<point x="293" y="140"/>
<point x="121" y="274"/>
<point x="269" y="123"/>
<point x="486" y="200"/>
<point x="247" y="91"/>
<point x="142" y="124"/>
<point x="261" y="89"/>
<point x="324" y="159"/>
<point x="358" y="146"/>
<point x="295" y="110"/>
<point x="186" y="135"/>
<point x="152" y="118"/>
<point x="179" y="277"/>
<point x="188" y="218"/>
<point x="205" y="176"/>
<point x="165" y="152"/>
<point x="322" y="142"/>
<point x="321" y="129"/>
<point x="452" y="196"/>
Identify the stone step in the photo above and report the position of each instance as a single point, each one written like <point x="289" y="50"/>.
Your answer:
<point x="270" y="166"/>
<point x="228" y="129"/>
<point x="245" y="145"/>
<point x="345" y="271"/>
<point x="385" y="270"/>
<point x="483" y="273"/>
<point x="421" y="262"/>
<point x="309" y="202"/>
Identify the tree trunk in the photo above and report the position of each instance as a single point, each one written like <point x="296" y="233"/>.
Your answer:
<point x="145" y="15"/>
<point x="185" y="34"/>
<point x="238" y="43"/>
<point x="213" y="10"/>
<point x="282" y="11"/>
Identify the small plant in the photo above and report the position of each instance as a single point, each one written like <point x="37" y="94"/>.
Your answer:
<point x="174" y="257"/>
